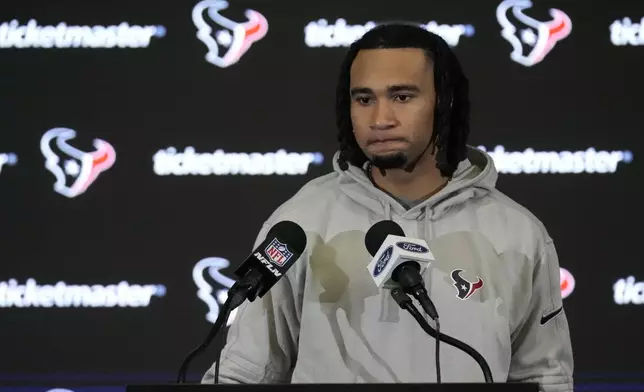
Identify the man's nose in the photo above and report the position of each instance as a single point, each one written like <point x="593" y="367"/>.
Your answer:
<point x="383" y="116"/>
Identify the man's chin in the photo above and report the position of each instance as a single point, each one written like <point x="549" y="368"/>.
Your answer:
<point x="393" y="160"/>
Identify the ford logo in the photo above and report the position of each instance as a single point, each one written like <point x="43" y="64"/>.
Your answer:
<point x="383" y="261"/>
<point x="408" y="246"/>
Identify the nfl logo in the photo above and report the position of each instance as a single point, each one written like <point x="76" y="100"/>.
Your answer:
<point x="278" y="253"/>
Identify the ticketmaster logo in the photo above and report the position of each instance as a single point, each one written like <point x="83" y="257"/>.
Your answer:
<point x="625" y="32"/>
<point x="530" y="161"/>
<point x="62" y="36"/>
<point x="63" y="295"/>
<point x="628" y="291"/>
<point x="321" y="33"/>
<point x="221" y="163"/>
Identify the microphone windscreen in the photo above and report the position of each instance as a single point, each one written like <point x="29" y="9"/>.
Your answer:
<point x="289" y="233"/>
<point x="377" y="234"/>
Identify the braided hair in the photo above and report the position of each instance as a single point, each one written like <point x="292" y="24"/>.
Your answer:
<point x="452" y="113"/>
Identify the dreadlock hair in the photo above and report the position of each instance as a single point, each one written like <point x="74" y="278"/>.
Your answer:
<point x="452" y="112"/>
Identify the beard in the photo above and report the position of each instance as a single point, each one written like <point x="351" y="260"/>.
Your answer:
<point x="396" y="160"/>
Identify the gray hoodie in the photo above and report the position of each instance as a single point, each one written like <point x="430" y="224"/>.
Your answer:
<point x="326" y="321"/>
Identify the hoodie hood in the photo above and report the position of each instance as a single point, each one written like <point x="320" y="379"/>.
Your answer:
<point x="474" y="177"/>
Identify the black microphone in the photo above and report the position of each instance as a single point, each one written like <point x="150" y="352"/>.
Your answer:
<point x="406" y="274"/>
<point x="284" y="244"/>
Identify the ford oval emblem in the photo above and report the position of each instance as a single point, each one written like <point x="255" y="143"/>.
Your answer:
<point x="383" y="261"/>
<point x="408" y="246"/>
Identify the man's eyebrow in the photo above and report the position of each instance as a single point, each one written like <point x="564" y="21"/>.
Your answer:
<point x="396" y="88"/>
<point x="403" y="87"/>
<point x="360" y="90"/>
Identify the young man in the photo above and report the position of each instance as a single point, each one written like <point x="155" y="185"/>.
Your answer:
<point x="403" y="117"/>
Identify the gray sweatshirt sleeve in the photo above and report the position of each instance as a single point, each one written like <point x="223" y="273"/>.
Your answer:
<point x="541" y="348"/>
<point x="261" y="346"/>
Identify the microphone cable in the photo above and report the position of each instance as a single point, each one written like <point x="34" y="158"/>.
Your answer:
<point x="406" y="303"/>
<point x="236" y="296"/>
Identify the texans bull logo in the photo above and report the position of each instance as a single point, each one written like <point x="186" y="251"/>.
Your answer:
<point x="464" y="287"/>
<point x="531" y="39"/>
<point x="75" y="170"/>
<point x="227" y="40"/>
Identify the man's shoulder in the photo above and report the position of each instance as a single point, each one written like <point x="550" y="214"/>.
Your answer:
<point x="517" y="211"/>
<point x="513" y="222"/>
<point x="312" y="197"/>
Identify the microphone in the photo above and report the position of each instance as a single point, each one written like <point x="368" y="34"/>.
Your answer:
<point x="284" y="244"/>
<point x="404" y="270"/>
<point x="399" y="261"/>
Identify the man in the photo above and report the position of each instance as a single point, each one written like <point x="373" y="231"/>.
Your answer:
<point x="403" y="117"/>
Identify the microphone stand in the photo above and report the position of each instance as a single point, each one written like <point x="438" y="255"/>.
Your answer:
<point x="406" y="303"/>
<point x="242" y="290"/>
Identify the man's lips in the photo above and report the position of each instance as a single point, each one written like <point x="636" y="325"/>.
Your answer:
<point x="386" y="140"/>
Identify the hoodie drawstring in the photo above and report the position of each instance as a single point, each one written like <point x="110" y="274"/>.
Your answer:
<point x="428" y="224"/>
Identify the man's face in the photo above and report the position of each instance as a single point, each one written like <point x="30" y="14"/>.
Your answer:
<point x="392" y="104"/>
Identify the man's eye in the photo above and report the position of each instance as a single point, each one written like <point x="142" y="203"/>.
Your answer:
<point x="402" y="97"/>
<point x="363" y="100"/>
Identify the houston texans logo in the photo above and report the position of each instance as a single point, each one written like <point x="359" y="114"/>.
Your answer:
<point x="82" y="167"/>
<point x="464" y="287"/>
<point x="531" y="39"/>
<point x="213" y="296"/>
<point x="226" y="39"/>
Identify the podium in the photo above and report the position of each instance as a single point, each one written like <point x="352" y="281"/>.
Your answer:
<point x="455" y="387"/>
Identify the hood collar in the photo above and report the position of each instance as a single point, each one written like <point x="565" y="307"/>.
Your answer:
<point x="475" y="176"/>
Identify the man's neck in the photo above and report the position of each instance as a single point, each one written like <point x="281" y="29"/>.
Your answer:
<point x="424" y="181"/>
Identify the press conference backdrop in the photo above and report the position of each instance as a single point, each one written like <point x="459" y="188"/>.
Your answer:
<point x="143" y="144"/>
